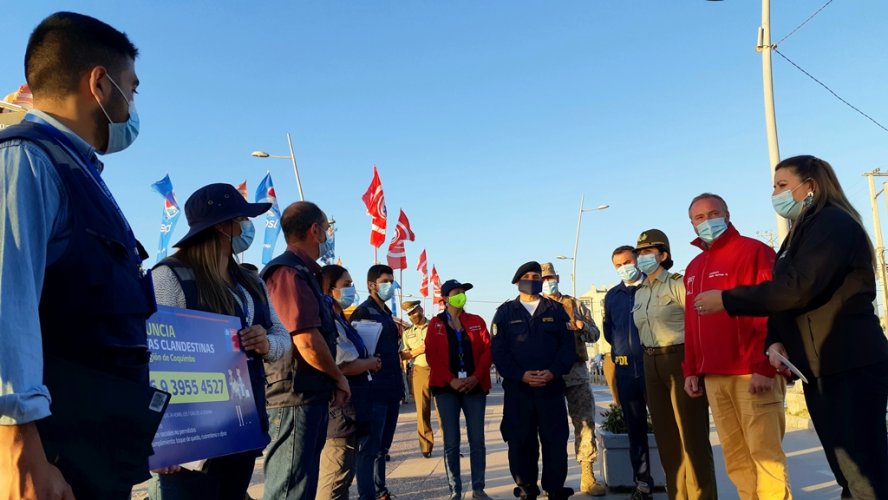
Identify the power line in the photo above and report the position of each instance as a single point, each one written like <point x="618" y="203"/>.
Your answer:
<point x="812" y="16"/>
<point x="868" y="117"/>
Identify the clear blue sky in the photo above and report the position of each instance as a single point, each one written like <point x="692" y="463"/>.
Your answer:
<point x="488" y="120"/>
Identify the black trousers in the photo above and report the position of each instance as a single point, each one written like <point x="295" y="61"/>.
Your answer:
<point x="222" y="478"/>
<point x="631" y="391"/>
<point x="534" y="419"/>
<point x="848" y="412"/>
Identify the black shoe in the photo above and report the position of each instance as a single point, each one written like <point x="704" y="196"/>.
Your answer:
<point x="427" y="454"/>
<point x="388" y="458"/>
<point x="640" y="495"/>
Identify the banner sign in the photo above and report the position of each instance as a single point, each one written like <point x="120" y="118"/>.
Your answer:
<point x="197" y="358"/>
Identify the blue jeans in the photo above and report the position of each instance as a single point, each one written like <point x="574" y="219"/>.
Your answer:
<point x="293" y="459"/>
<point x="473" y="407"/>
<point x="373" y="448"/>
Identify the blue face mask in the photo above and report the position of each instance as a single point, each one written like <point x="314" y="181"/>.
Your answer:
<point x="709" y="230"/>
<point x="648" y="263"/>
<point x="384" y="291"/>
<point x="550" y="287"/>
<point x="629" y="273"/>
<point x="347" y="296"/>
<point x="786" y="206"/>
<point x="325" y="247"/>
<point x="240" y="244"/>
<point x="121" y="135"/>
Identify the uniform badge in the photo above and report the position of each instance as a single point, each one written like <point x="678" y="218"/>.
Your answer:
<point x="494" y="330"/>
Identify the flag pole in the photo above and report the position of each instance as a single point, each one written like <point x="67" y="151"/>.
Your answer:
<point x="401" y="293"/>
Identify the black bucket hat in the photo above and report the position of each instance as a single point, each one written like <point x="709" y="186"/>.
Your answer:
<point x="214" y="204"/>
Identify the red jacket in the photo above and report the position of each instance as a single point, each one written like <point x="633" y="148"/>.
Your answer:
<point x="719" y="344"/>
<point x="438" y="352"/>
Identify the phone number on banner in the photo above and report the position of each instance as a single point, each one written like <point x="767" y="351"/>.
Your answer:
<point x="192" y="387"/>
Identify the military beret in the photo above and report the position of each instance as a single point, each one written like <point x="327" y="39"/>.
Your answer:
<point x="409" y="305"/>
<point x="528" y="267"/>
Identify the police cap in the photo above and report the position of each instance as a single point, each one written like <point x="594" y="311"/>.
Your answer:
<point x="528" y="267"/>
<point x="653" y="238"/>
<point x="409" y="305"/>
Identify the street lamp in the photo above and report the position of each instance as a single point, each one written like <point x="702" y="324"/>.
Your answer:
<point x="764" y="46"/>
<point x="292" y="157"/>
<point x="573" y="272"/>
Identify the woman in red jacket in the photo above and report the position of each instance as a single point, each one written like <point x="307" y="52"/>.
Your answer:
<point x="458" y="352"/>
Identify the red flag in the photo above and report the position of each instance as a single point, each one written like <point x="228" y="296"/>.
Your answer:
<point x="242" y="189"/>
<point x="397" y="257"/>
<point x="423" y="267"/>
<point x="436" y="286"/>
<point x="374" y="200"/>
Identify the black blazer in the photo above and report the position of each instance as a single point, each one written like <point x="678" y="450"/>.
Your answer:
<point x="820" y="299"/>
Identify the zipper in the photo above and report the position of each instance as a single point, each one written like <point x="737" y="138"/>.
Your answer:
<point x="699" y="338"/>
<point x="811" y="334"/>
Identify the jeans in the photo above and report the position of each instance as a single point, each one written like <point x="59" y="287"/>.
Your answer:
<point x="373" y="448"/>
<point x="473" y="407"/>
<point x="293" y="459"/>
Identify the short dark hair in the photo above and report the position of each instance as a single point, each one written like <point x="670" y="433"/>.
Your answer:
<point x="330" y="274"/>
<point x="66" y="45"/>
<point x="704" y="196"/>
<point x="298" y="219"/>
<point x="624" y="248"/>
<point x="378" y="270"/>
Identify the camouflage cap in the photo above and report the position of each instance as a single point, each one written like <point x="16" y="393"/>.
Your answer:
<point x="548" y="269"/>
<point x="652" y="238"/>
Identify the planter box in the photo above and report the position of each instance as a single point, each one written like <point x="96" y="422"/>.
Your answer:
<point x="616" y="469"/>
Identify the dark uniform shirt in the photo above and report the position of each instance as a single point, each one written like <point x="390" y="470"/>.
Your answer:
<point x="387" y="384"/>
<point x="522" y="342"/>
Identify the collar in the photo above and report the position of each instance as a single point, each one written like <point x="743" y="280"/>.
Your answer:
<point x="719" y="242"/>
<point x="83" y="148"/>
<point x="311" y="263"/>
<point x="662" y="278"/>
<point x="385" y="309"/>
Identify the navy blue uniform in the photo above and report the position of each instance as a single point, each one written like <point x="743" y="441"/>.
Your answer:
<point x="521" y="343"/>
<point x="627" y="353"/>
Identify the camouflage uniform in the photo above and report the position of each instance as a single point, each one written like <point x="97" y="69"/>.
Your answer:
<point x="580" y="401"/>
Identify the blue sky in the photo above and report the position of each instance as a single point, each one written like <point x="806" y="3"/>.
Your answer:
<point x="488" y="120"/>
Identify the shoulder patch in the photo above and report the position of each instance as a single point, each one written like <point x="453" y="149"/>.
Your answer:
<point x="494" y="330"/>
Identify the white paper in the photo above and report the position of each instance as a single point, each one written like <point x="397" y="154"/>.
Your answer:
<point x="369" y="332"/>
<point x="791" y="367"/>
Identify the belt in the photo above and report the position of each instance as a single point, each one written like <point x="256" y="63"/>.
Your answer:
<point x="653" y="351"/>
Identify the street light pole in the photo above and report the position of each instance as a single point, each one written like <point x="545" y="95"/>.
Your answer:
<point x="877" y="232"/>
<point x="291" y="157"/>
<point x="765" y="47"/>
<point x="573" y="272"/>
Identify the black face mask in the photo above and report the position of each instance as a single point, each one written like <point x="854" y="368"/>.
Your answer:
<point x="530" y="287"/>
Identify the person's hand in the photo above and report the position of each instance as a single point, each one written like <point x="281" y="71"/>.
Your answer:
<point x="546" y="376"/>
<point x="579" y="324"/>
<point x="693" y="386"/>
<point x="457" y="384"/>
<point x="25" y="471"/>
<point x="255" y="339"/>
<point x="373" y="364"/>
<point x="709" y="302"/>
<point x="172" y="469"/>
<point x="760" y="384"/>
<point x="342" y="394"/>
<point x="533" y="378"/>
<point x="773" y="350"/>
<point x="469" y="383"/>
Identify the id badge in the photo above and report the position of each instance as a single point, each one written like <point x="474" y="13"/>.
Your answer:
<point x="462" y="375"/>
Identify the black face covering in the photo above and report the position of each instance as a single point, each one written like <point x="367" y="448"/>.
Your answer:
<point x="531" y="287"/>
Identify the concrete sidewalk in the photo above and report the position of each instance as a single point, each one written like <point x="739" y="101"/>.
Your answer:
<point x="410" y="476"/>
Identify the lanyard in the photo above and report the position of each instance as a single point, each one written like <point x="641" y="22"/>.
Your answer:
<point x="459" y="343"/>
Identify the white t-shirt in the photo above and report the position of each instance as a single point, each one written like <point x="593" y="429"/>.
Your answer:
<point x="531" y="306"/>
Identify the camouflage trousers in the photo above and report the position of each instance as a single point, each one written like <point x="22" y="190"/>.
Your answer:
<point x="581" y="408"/>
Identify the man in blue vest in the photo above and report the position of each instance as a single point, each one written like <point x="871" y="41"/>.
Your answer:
<point x="77" y="415"/>
<point x="304" y="383"/>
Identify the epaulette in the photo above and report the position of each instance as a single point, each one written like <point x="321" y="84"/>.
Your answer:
<point x="675" y="276"/>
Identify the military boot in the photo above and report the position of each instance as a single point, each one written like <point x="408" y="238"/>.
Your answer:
<point x="588" y="484"/>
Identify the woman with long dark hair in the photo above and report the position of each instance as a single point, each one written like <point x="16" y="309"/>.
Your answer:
<point x="203" y="275"/>
<point x="350" y="422"/>
<point x="821" y="317"/>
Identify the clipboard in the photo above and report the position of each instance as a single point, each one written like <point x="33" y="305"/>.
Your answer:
<point x="791" y="367"/>
<point x="369" y="332"/>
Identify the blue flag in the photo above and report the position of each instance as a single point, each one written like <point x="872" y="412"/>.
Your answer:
<point x="395" y="287"/>
<point x="170" y="216"/>
<point x="265" y="194"/>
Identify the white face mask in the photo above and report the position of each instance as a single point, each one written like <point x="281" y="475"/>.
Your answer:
<point x="550" y="287"/>
<point x="120" y="135"/>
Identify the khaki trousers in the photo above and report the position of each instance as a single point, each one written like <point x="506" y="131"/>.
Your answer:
<point x="337" y="468"/>
<point x="751" y="427"/>
<point x="610" y="376"/>
<point x="681" y="426"/>
<point x="423" y="398"/>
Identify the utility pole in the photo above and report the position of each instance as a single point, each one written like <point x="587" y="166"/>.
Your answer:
<point x="768" y="236"/>
<point x="877" y="231"/>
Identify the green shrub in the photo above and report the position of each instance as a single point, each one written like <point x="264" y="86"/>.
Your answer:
<point x="614" y="422"/>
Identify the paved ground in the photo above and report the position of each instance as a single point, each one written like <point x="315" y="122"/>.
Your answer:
<point x="410" y="476"/>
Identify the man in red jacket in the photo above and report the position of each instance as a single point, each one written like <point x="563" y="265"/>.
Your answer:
<point x="727" y="355"/>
